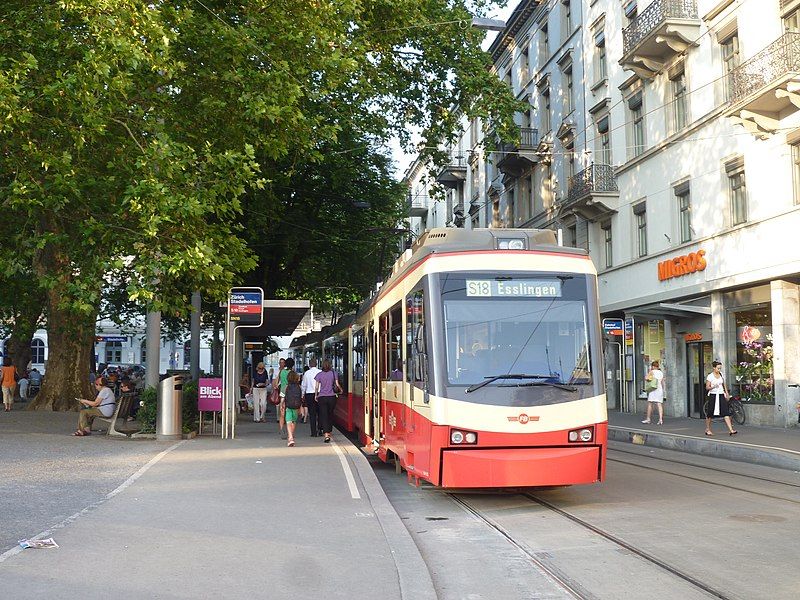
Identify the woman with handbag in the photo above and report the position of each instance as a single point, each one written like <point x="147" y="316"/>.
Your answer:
<point x="717" y="405"/>
<point x="654" y="386"/>
<point x="327" y="387"/>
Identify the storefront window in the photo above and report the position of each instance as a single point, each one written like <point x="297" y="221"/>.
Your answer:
<point x="650" y="335"/>
<point x="753" y="370"/>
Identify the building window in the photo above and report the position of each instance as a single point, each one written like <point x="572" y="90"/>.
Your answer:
<point x="730" y="60"/>
<point x="600" y="64"/>
<point x="569" y="162"/>
<point x="630" y="9"/>
<point x="791" y="22"/>
<point x="796" y="171"/>
<point x="545" y="110"/>
<point x="475" y="179"/>
<point x="640" y="214"/>
<point x="475" y="220"/>
<point x="37" y="351"/>
<point x="607" y="244"/>
<point x="603" y="141"/>
<point x="525" y="66"/>
<point x="568" y="91"/>
<point x="684" y="199"/>
<point x="547" y="186"/>
<point x="143" y="352"/>
<point x="544" y="45"/>
<point x="113" y="352"/>
<point x="496" y="212"/>
<point x="753" y="370"/>
<point x="635" y="125"/>
<point x="737" y="192"/>
<point x="679" y="107"/>
<point x="566" y="21"/>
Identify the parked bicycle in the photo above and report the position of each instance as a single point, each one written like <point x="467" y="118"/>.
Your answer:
<point x="735" y="407"/>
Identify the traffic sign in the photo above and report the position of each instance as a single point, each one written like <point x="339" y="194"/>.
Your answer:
<point x="613" y="326"/>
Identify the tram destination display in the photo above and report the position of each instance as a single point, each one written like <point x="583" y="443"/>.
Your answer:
<point x="522" y="288"/>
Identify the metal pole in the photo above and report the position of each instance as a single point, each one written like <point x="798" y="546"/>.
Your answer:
<point x="153" y="337"/>
<point x="194" y="344"/>
<point x="225" y="377"/>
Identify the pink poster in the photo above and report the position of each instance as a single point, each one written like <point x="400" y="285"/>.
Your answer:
<point x="209" y="394"/>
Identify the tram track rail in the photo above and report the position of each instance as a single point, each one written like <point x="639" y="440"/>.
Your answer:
<point x="564" y="581"/>
<point x="706" y="481"/>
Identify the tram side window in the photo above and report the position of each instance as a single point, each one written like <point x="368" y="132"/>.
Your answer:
<point x="359" y="356"/>
<point x="340" y="358"/>
<point x="415" y="338"/>
<point x="391" y="338"/>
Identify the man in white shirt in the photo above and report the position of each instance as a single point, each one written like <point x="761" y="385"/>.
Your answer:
<point x="308" y="387"/>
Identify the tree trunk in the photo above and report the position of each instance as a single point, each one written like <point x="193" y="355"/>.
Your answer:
<point x="70" y="338"/>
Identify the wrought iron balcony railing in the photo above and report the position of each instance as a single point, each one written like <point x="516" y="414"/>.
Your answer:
<point x="594" y="179"/>
<point x="778" y="59"/>
<point x="652" y="16"/>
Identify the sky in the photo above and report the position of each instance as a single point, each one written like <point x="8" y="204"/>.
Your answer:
<point x="403" y="160"/>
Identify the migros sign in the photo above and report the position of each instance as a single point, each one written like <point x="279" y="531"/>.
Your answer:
<point x="682" y="265"/>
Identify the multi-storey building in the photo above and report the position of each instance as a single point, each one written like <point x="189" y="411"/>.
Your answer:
<point x="665" y="139"/>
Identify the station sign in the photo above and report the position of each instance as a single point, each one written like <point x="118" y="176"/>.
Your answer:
<point x="253" y="345"/>
<point x="629" y="332"/>
<point x="246" y="306"/>
<point x="111" y="338"/>
<point x="613" y="326"/>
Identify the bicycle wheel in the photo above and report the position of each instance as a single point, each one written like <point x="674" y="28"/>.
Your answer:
<point x="737" y="411"/>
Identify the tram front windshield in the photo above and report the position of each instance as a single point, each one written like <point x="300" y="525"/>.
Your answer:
<point x="534" y="327"/>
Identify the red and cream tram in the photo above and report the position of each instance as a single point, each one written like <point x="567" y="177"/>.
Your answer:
<point x="478" y="364"/>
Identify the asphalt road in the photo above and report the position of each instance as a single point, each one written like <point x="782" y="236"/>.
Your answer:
<point x="667" y="525"/>
<point x="46" y="477"/>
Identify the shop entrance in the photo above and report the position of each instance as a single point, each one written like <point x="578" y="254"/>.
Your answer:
<point x="699" y="358"/>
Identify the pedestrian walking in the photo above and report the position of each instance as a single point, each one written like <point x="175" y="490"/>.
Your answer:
<point x="8" y="382"/>
<point x="281" y="381"/>
<point x="293" y="400"/>
<point x="309" y="388"/>
<point x="326" y="389"/>
<point x="717" y="404"/>
<point x="259" y="390"/>
<point x="654" y="386"/>
<point x="102" y="405"/>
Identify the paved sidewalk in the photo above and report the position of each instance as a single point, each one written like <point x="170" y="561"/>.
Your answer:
<point x="767" y="446"/>
<point x="244" y="518"/>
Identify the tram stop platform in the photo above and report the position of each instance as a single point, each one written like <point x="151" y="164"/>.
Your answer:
<point x="213" y="518"/>
<point x="768" y="446"/>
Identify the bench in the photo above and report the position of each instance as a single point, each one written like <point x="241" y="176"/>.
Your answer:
<point x="121" y="411"/>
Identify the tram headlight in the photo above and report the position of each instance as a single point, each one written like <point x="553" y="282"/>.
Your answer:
<point x="510" y="244"/>
<point x="463" y="437"/>
<point x="586" y="434"/>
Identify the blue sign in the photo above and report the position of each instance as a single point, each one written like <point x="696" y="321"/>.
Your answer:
<point x="246" y="306"/>
<point x="613" y="326"/>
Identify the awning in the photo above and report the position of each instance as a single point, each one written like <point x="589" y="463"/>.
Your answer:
<point x="281" y="317"/>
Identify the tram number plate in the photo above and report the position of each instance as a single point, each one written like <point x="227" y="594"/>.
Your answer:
<point x="527" y="288"/>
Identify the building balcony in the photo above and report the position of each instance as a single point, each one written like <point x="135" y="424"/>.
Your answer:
<point x="514" y="158"/>
<point x="766" y="88"/>
<point x="417" y="205"/>
<point x="663" y="30"/>
<point x="590" y="193"/>
<point x="454" y="173"/>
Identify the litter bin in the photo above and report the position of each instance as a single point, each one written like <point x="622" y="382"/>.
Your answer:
<point x="170" y="406"/>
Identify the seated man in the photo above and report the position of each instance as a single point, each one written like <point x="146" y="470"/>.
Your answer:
<point x="102" y="405"/>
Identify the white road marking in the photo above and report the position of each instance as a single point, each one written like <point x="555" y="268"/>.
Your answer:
<point x="348" y="473"/>
<point x="127" y="483"/>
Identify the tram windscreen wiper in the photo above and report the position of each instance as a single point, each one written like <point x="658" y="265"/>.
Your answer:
<point x="491" y="378"/>
<point x="561" y="386"/>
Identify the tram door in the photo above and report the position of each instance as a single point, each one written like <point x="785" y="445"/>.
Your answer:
<point x="371" y="385"/>
<point x="699" y="358"/>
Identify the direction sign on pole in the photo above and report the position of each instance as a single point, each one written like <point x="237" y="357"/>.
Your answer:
<point x="613" y="326"/>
